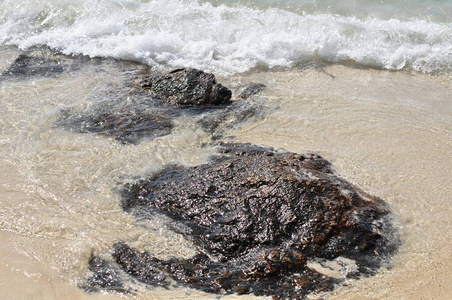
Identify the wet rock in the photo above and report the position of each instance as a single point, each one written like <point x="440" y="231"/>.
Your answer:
<point x="141" y="267"/>
<point x="220" y="121"/>
<point x="259" y="215"/>
<point x="268" y="272"/>
<point x="105" y="276"/>
<point x="41" y="61"/>
<point x="128" y="125"/>
<point x="131" y="113"/>
<point x="251" y="90"/>
<point x="120" y="111"/>
<point x="187" y="87"/>
<point x="32" y="66"/>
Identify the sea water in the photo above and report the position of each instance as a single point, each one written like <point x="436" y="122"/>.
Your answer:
<point x="237" y="36"/>
<point x="366" y="84"/>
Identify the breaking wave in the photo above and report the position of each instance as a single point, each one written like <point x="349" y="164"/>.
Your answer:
<point x="224" y="38"/>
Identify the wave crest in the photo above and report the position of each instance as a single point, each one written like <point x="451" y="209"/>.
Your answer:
<point x="221" y="38"/>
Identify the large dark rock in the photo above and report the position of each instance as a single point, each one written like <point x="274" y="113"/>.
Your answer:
<point x="259" y="215"/>
<point x="187" y="87"/>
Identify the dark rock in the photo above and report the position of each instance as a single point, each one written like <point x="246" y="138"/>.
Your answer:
<point x="105" y="276"/>
<point x="140" y="267"/>
<point x="187" y="87"/>
<point x="31" y="66"/>
<point x="261" y="214"/>
<point x="267" y="272"/>
<point x="129" y="114"/>
<point x="128" y="125"/>
<point x="251" y="90"/>
<point x="119" y="111"/>
<point x="41" y="61"/>
<point x="219" y="121"/>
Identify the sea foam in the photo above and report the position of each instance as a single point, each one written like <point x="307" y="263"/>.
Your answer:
<point x="223" y="39"/>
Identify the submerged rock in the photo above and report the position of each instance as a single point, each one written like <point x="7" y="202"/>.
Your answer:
<point x="41" y="61"/>
<point x="187" y="87"/>
<point x="132" y="113"/>
<point x="217" y="122"/>
<point x="26" y="66"/>
<point x="259" y="215"/>
<point x="127" y="125"/>
<point x="251" y="90"/>
<point x="105" y="276"/>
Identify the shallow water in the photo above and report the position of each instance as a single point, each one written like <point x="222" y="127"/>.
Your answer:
<point x="387" y="132"/>
<point x="325" y="65"/>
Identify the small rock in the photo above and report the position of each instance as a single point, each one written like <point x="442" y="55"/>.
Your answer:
<point x="187" y="87"/>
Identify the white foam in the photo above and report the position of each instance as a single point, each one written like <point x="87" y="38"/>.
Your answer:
<point x="221" y="38"/>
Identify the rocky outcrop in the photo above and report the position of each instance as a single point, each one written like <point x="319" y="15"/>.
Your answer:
<point x="259" y="215"/>
<point x="187" y="87"/>
<point x="134" y="113"/>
